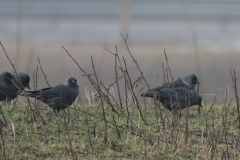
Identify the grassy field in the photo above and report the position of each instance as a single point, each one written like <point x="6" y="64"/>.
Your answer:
<point x="114" y="128"/>
<point x="80" y="133"/>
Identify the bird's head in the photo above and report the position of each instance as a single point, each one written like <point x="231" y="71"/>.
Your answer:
<point x="25" y="79"/>
<point x="71" y="82"/>
<point x="191" y="79"/>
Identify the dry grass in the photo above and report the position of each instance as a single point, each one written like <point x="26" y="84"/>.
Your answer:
<point x="118" y="125"/>
<point x="68" y="137"/>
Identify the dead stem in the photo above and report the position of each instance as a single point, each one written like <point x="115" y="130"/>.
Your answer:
<point x="23" y="89"/>
<point x="43" y="72"/>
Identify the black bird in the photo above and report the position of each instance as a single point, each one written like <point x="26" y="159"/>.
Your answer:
<point x="5" y="83"/>
<point x="59" y="97"/>
<point x="174" y="98"/>
<point x="10" y="86"/>
<point x="189" y="81"/>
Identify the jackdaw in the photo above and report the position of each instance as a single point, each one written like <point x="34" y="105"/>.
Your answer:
<point x="58" y="97"/>
<point x="189" y="81"/>
<point x="5" y="83"/>
<point x="175" y="98"/>
<point x="10" y="86"/>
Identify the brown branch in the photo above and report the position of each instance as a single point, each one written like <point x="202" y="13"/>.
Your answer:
<point x="92" y="82"/>
<point x="119" y="135"/>
<point x="23" y="88"/>
<point x="43" y="72"/>
<point x="104" y="115"/>
<point x="168" y="64"/>
<point x="140" y="135"/>
<point x="36" y="77"/>
<point x="74" y="60"/>
<point x="125" y="41"/>
<point x="234" y="79"/>
<point x="116" y="72"/>
<point x="133" y="92"/>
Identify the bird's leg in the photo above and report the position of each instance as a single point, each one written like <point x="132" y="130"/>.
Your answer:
<point x="60" y="113"/>
<point x="55" y="113"/>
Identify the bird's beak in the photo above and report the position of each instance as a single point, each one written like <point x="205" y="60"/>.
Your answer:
<point x="199" y="82"/>
<point x="28" y="86"/>
<point x="73" y="82"/>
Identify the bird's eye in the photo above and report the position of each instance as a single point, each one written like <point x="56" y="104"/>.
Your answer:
<point x="194" y="78"/>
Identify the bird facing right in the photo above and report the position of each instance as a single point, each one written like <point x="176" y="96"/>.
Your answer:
<point x="189" y="81"/>
<point x="10" y="86"/>
<point x="58" y="97"/>
<point x="172" y="98"/>
<point x="5" y="83"/>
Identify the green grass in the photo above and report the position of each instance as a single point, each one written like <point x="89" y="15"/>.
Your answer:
<point x="67" y="137"/>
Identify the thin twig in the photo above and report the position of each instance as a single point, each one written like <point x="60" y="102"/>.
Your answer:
<point x="119" y="135"/>
<point x="133" y="91"/>
<point x="43" y="72"/>
<point x="168" y="65"/>
<point x="36" y="78"/>
<point x="88" y="128"/>
<point x="125" y="41"/>
<point x="234" y="79"/>
<point x="104" y="115"/>
<point x="92" y="82"/>
<point x="23" y="88"/>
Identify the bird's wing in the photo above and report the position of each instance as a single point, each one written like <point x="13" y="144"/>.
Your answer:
<point x="177" y="83"/>
<point x="39" y="90"/>
<point x="58" y="91"/>
<point x="184" y="94"/>
<point x="167" y="93"/>
<point x="162" y="93"/>
<point x="181" y="94"/>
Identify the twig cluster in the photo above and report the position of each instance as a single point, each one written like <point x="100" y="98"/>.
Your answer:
<point x="172" y="131"/>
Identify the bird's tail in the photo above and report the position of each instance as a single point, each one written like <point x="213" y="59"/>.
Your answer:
<point x="147" y="94"/>
<point x="32" y="94"/>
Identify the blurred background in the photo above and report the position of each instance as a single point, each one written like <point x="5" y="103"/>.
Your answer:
<point x="199" y="36"/>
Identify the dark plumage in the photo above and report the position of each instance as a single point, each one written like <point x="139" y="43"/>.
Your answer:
<point x="180" y="96"/>
<point x="5" y="83"/>
<point x="189" y="81"/>
<point x="10" y="86"/>
<point x="59" y="97"/>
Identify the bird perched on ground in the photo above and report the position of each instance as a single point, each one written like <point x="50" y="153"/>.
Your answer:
<point x="10" y="86"/>
<point x="189" y="81"/>
<point x="59" y="97"/>
<point x="172" y="98"/>
<point x="5" y="83"/>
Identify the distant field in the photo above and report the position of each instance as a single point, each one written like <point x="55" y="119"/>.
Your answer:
<point x="77" y="135"/>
